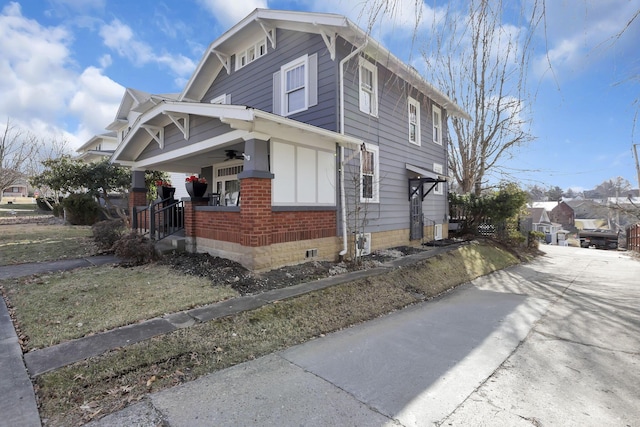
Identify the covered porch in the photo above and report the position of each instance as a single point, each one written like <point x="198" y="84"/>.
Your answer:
<point x="272" y="193"/>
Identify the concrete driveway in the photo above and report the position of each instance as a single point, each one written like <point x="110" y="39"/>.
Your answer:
<point x="552" y="342"/>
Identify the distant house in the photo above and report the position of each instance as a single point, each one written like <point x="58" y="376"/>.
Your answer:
<point x="559" y="212"/>
<point x="541" y="222"/>
<point x="18" y="189"/>
<point x="311" y="136"/>
<point x="98" y="147"/>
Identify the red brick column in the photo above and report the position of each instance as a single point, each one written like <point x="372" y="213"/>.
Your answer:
<point x="137" y="197"/>
<point x="190" y="222"/>
<point x="256" y="221"/>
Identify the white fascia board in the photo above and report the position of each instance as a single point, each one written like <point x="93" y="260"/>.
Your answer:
<point x="193" y="149"/>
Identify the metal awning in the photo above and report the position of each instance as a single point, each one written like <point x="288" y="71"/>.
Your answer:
<point x="424" y="177"/>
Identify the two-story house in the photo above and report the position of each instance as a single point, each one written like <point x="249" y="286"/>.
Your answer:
<point x="309" y="133"/>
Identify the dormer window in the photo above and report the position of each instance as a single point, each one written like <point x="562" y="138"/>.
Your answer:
<point x="251" y="53"/>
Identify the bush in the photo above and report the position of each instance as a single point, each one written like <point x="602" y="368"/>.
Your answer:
<point x="534" y="239"/>
<point x="107" y="233"/>
<point x="135" y="249"/>
<point x="81" y="209"/>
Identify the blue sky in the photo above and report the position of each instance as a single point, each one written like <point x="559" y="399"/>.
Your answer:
<point x="65" y="65"/>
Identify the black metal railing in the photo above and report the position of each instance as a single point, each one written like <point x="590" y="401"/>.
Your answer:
<point x="160" y="219"/>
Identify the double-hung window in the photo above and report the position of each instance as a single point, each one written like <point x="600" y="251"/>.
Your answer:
<point x="368" y="87"/>
<point x="414" y="121"/>
<point x="295" y="86"/>
<point x="369" y="171"/>
<point x="437" y="125"/>
<point x="438" y="189"/>
<point x="294" y="76"/>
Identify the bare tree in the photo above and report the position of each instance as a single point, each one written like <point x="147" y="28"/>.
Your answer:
<point x="482" y="65"/>
<point x="17" y="153"/>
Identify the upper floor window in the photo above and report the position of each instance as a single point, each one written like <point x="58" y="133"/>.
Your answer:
<point x="369" y="174"/>
<point x="295" y="86"/>
<point x="251" y="53"/>
<point x="368" y="87"/>
<point x="414" y="121"/>
<point x="437" y="125"/>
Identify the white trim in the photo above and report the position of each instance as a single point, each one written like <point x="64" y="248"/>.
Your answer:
<point x="372" y="108"/>
<point x="437" y="232"/>
<point x="296" y="63"/>
<point x="376" y="175"/>
<point x="438" y="189"/>
<point x="437" y="125"/>
<point x="191" y="150"/>
<point x="414" y="103"/>
<point x="252" y="52"/>
<point x="221" y="99"/>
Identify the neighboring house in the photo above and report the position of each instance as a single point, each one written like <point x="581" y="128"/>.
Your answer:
<point x="98" y="147"/>
<point x="559" y="212"/>
<point x="18" y="189"/>
<point x="308" y="131"/>
<point x="541" y="222"/>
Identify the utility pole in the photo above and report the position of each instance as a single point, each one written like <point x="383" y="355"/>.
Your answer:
<point x="635" y="152"/>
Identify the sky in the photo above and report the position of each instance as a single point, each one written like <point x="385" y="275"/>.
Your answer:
<point x="64" y="66"/>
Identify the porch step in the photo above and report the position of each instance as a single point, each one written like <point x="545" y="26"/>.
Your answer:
<point x="170" y="244"/>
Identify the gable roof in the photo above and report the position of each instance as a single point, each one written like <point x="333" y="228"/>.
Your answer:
<point x="137" y="101"/>
<point x="261" y="21"/>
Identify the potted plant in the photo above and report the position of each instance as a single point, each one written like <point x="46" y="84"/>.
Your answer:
<point x="196" y="187"/>
<point x="165" y="190"/>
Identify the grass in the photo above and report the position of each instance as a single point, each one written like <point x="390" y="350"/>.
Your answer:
<point x="21" y="243"/>
<point x="78" y="393"/>
<point x="13" y="210"/>
<point x="61" y="306"/>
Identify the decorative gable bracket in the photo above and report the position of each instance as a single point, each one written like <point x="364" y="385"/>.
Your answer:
<point x="225" y="59"/>
<point x="330" y="41"/>
<point x="270" y="32"/>
<point x="157" y="133"/>
<point x="184" y="126"/>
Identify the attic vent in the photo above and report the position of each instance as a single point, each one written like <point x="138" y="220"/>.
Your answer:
<point x="363" y="244"/>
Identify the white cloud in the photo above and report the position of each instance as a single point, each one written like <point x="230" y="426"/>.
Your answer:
<point x="121" y="38"/>
<point x="41" y="89"/>
<point x="580" y="36"/>
<point x="229" y="12"/>
<point x="96" y="100"/>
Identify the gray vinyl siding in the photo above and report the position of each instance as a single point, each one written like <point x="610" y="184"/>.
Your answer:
<point x="252" y="85"/>
<point x="201" y="128"/>
<point x="389" y="131"/>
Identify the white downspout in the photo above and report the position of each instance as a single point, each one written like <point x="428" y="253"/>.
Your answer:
<point x="343" y="204"/>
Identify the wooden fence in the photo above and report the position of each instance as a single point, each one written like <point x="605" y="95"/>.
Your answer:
<point x="633" y="237"/>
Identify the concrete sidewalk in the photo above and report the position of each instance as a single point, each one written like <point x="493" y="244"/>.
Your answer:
<point x="18" y="404"/>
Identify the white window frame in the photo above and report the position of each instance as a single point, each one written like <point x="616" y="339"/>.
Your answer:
<point x="376" y="175"/>
<point x="439" y="170"/>
<point x="302" y="61"/>
<point x="372" y="92"/>
<point x="219" y="182"/>
<point x="222" y="99"/>
<point x="251" y="53"/>
<point x="437" y="125"/>
<point x="414" y="121"/>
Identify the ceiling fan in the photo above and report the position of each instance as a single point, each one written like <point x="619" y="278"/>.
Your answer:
<point x="233" y="155"/>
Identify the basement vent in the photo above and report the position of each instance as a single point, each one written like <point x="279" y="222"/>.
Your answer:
<point x="311" y="253"/>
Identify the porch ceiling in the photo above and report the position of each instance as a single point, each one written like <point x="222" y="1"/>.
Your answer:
<point x="244" y="124"/>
